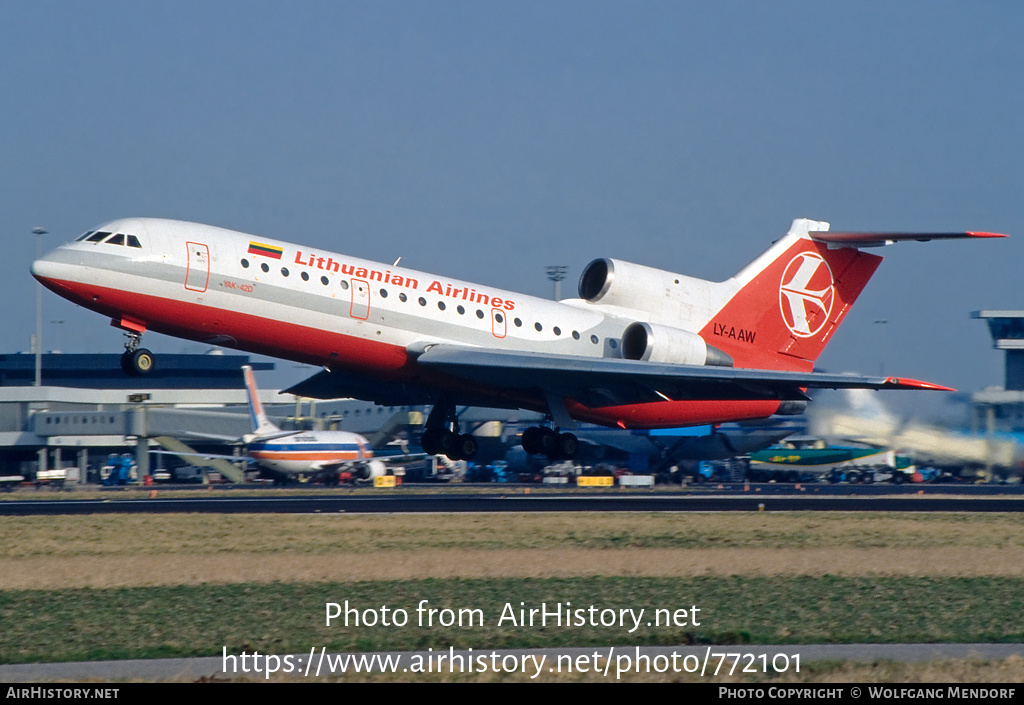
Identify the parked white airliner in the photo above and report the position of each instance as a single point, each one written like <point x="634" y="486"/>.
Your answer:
<point x="328" y="456"/>
<point x="641" y="347"/>
<point x="332" y="455"/>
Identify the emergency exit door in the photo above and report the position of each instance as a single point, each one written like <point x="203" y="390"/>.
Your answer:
<point x="360" y="307"/>
<point x="197" y="274"/>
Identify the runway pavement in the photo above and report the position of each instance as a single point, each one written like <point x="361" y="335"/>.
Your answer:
<point x="218" y="667"/>
<point x="517" y="500"/>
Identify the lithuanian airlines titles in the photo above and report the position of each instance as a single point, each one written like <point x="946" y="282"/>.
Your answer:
<point x="640" y="348"/>
<point x="387" y="277"/>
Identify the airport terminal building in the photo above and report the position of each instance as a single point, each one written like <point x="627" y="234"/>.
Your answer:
<point x="86" y="408"/>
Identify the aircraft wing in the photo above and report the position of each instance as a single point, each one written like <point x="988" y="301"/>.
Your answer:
<point x="592" y="381"/>
<point x="197" y="454"/>
<point x="340" y="384"/>
<point x="399" y="458"/>
<point x="595" y="381"/>
<point x="235" y="440"/>
<point x="390" y="459"/>
<point x="211" y="436"/>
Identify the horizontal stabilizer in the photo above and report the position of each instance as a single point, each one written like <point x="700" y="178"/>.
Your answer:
<point x="851" y="239"/>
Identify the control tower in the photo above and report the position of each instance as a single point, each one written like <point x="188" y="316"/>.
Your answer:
<point x="1007" y="328"/>
<point x="1004" y="406"/>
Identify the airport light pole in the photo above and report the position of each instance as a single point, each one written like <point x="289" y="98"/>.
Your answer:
<point x="39" y="232"/>
<point x="881" y="360"/>
<point x="556" y="273"/>
<point x="55" y="346"/>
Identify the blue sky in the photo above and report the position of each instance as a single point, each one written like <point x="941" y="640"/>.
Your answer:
<point x="487" y="140"/>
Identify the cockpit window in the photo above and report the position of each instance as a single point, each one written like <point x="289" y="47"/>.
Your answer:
<point x="117" y="239"/>
<point x="82" y="237"/>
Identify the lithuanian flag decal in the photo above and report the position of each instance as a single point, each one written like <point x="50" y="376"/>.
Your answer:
<point x="258" y="248"/>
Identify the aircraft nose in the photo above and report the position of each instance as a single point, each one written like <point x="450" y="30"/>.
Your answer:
<point x="61" y="271"/>
<point x="46" y="268"/>
<point x="57" y="270"/>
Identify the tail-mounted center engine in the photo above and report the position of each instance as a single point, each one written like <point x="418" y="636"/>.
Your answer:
<point x="666" y="297"/>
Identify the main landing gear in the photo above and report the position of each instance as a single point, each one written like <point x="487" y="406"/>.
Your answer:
<point x="136" y="361"/>
<point x="549" y="442"/>
<point x="442" y="435"/>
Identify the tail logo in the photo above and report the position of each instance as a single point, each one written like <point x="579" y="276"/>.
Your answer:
<point x="806" y="293"/>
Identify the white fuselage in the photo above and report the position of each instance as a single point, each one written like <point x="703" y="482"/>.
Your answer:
<point x="182" y="266"/>
<point x="309" y="451"/>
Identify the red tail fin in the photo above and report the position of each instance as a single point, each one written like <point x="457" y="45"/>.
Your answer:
<point x="782" y="310"/>
<point x="790" y="301"/>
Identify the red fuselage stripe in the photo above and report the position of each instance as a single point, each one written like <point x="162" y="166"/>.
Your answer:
<point x="299" y="455"/>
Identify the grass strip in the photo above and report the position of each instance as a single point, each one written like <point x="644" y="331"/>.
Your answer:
<point x="153" y="622"/>
<point x="190" y="534"/>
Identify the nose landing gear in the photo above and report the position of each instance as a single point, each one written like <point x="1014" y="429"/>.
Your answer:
<point x="136" y="361"/>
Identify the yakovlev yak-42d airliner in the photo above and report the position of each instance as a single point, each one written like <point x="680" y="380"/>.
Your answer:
<point x="640" y="348"/>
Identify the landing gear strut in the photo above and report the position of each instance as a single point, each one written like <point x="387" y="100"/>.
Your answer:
<point x="136" y="361"/>
<point x="442" y="435"/>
